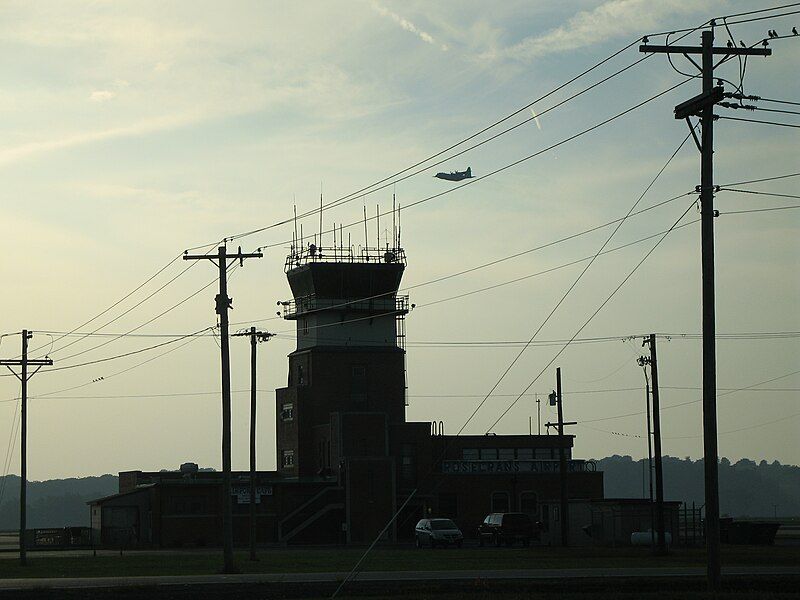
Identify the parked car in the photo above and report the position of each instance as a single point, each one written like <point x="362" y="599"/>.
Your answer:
<point x="438" y="532"/>
<point x="506" y="528"/>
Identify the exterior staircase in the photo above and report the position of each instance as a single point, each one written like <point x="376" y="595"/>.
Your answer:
<point x="311" y="515"/>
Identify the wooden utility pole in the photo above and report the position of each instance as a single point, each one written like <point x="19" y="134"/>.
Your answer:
<point x="24" y="362"/>
<point x="661" y="545"/>
<point x="652" y="360"/>
<point x="223" y="304"/>
<point x="555" y="398"/>
<point x="255" y="337"/>
<point x="703" y="106"/>
<point x="562" y="466"/>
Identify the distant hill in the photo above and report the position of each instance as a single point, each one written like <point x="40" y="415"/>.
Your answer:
<point x="54" y="503"/>
<point x="746" y="489"/>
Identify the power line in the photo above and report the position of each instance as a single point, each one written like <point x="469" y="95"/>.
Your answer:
<point x="126" y="354"/>
<point x="775" y="110"/>
<point x="756" y="426"/>
<point x="566" y="294"/>
<point x="121" y="372"/>
<point x="727" y="392"/>
<point x="158" y="316"/>
<point x="122" y="314"/>
<point x="512" y="164"/>
<point x="599" y="308"/>
<point x="761" y="99"/>
<point x="391" y="178"/>
<point x="501" y="259"/>
<point x="762" y="179"/>
<point x="552" y="269"/>
<point x="756" y="210"/>
<point x="758" y="193"/>
<point x="121" y="300"/>
<point x="777" y="124"/>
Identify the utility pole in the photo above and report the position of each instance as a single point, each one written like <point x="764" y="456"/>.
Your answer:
<point x="703" y="106"/>
<point x="652" y="360"/>
<point x="643" y="361"/>
<point x="555" y="398"/>
<point x="223" y="304"/>
<point x="255" y="337"/>
<point x="24" y="362"/>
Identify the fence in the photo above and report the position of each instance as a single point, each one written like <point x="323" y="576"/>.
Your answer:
<point x="690" y="525"/>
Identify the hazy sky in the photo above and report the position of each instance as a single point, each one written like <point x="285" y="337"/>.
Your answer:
<point x="133" y="130"/>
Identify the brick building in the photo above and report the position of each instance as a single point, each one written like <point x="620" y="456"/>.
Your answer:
<point x="347" y="458"/>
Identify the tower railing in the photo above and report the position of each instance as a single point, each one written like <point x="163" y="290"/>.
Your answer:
<point x="388" y="304"/>
<point x="299" y="257"/>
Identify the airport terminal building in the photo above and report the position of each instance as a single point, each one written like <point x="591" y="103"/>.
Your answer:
<point x="348" y="460"/>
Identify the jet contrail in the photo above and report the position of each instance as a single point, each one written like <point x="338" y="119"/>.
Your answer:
<point x="536" y="119"/>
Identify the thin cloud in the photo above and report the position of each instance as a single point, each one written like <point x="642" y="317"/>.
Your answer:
<point x="409" y="26"/>
<point x="22" y="151"/>
<point x="102" y="95"/>
<point x="611" y="19"/>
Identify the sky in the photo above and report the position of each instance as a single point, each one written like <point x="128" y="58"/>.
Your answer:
<point x="131" y="131"/>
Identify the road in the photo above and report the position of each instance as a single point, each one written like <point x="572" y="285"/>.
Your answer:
<point x="385" y="576"/>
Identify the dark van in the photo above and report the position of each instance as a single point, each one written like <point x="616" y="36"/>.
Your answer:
<point x="506" y="528"/>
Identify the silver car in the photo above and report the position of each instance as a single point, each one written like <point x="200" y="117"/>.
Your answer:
<point x="438" y="532"/>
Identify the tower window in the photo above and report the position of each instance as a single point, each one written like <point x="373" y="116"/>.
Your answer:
<point x="301" y="377"/>
<point x="287" y="412"/>
<point x="305" y="326"/>
<point x="287" y="458"/>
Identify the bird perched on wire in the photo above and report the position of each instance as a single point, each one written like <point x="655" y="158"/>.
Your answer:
<point x="772" y="33"/>
<point x="742" y="44"/>
<point x="794" y="31"/>
<point x="730" y="44"/>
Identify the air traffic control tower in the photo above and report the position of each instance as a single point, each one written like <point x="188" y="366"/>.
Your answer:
<point x="347" y="380"/>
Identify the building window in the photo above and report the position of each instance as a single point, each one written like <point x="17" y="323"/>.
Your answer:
<point x="524" y="453"/>
<point x="305" y="326"/>
<point x="301" y="377"/>
<point x="500" y="502"/>
<point x="488" y="453"/>
<point x="408" y="468"/>
<point x="544" y="453"/>
<point x="469" y="454"/>
<point x="287" y="458"/>
<point x="505" y="454"/>
<point x="527" y="503"/>
<point x="287" y="412"/>
<point x="448" y="505"/>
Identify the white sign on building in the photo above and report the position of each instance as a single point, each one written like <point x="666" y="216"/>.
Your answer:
<point x="242" y="493"/>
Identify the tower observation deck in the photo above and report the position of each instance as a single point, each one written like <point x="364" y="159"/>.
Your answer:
<point x="347" y="298"/>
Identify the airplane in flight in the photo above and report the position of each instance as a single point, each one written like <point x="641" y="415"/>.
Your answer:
<point x="456" y="175"/>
